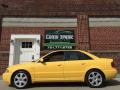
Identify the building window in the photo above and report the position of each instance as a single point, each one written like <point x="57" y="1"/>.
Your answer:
<point x="26" y="44"/>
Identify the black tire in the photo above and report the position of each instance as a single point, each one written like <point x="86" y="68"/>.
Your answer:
<point x="21" y="79"/>
<point x="95" y="79"/>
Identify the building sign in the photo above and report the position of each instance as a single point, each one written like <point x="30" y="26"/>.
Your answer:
<point x="59" y="39"/>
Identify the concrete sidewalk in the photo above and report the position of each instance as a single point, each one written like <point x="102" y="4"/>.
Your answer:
<point x="118" y="75"/>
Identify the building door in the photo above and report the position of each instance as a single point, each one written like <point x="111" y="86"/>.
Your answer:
<point x="24" y="51"/>
<point x="24" y="48"/>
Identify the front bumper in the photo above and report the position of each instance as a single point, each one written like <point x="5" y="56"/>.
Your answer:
<point x="7" y="78"/>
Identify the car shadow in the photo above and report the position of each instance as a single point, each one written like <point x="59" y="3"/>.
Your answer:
<point x="112" y="83"/>
<point x="59" y="84"/>
<point x="72" y="84"/>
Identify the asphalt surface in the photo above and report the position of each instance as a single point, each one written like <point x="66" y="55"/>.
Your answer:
<point x="110" y="85"/>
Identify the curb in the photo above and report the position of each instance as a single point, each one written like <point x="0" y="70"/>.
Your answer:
<point x="118" y="76"/>
<point x="0" y="77"/>
<point x="118" y="79"/>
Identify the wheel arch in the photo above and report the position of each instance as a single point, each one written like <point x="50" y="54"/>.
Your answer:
<point x="96" y="69"/>
<point x="21" y="70"/>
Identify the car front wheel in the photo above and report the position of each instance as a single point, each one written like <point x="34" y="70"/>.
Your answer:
<point x="20" y="79"/>
<point x="95" y="79"/>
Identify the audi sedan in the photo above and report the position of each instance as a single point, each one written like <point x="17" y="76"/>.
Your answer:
<point x="62" y="66"/>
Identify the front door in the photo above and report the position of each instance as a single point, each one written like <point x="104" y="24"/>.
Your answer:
<point x="75" y="65"/>
<point x="24" y="50"/>
<point x="51" y="69"/>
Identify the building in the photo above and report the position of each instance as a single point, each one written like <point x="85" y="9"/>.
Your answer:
<point x="27" y="27"/>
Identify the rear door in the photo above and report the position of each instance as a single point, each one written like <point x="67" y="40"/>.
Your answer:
<point x="75" y="65"/>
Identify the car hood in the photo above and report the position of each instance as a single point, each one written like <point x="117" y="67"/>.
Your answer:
<point x="21" y="66"/>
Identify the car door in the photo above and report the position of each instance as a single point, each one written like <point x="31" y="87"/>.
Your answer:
<point x="51" y="69"/>
<point x="75" y="65"/>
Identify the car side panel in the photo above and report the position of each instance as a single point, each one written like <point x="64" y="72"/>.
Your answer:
<point x="49" y="71"/>
<point x="75" y="69"/>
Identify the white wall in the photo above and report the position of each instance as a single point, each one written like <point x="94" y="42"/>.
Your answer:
<point x="100" y="22"/>
<point x="39" y="22"/>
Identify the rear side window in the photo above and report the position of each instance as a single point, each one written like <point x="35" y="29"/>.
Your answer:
<point x="75" y="55"/>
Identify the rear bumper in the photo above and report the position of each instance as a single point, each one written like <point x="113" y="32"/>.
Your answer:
<point x="110" y="74"/>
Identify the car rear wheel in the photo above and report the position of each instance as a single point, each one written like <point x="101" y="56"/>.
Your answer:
<point x="95" y="79"/>
<point x="20" y="79"/>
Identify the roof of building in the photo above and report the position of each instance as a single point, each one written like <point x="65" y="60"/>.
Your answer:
<point x="59" y="7"/>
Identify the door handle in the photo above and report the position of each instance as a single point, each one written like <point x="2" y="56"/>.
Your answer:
<point x="32" y="57"/>
<point x="83" y="63"/>
<point x="59" y="65"/>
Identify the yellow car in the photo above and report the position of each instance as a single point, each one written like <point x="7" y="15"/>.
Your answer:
<point x="62" y="66"/>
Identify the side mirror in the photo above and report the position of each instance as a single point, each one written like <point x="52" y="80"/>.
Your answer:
<point x="41" y="60"/>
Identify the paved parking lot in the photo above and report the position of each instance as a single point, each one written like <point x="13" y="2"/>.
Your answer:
<point x="0" y="78"/>
<point x="110" y="85"/>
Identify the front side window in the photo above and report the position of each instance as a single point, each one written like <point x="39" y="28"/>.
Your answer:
<point x="56" y="56"/>
<point x="75" y="55"/>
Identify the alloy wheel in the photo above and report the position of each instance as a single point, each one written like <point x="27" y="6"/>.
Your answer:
<point x="95" y="79"/>
<point x="20" y="80"/>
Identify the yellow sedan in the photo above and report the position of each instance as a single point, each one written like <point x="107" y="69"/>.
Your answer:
<point x="62" y="66"/>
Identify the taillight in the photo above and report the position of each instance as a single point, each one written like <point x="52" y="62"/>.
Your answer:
<point x="112" y="64"/>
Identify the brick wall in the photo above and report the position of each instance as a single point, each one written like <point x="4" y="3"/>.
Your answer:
<point x="105" y="38"/>
<point x="82" y="33"/>
<point x="59" y="7"/>
<point x="0" y="26"/>
<point x="4" y="61"/>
